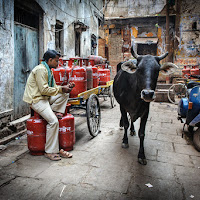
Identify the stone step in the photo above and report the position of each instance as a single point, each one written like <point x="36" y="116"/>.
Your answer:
<point x="163" y="86"/>
<point x="162" y="96"/>
<point x="13" y="129"/>
<point x="11" y="137"/>
<point x="19" y="122"/>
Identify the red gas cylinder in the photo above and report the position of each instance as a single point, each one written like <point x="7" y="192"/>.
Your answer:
<point x="60" y="62"/>
<point x="194" y="71"/>
<point x="67" y="131"/>
<point x="186" y="71"/>
<point x="89" y="73"/>
<point x="36" y="134"/>
<point x="95" y="74"/>
<point x="61" y="75"/>
<point x="78" y="75"/>
<point x="64" y="61"/>
<point x="97" y="59"/>
<point x="104" y="74"/>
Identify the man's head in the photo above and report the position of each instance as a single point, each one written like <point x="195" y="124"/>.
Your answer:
<point x="51" y="57"/>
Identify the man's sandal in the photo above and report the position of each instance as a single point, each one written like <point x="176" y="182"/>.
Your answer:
<point x="65" y="154"/>
<point x="52" y="156"/>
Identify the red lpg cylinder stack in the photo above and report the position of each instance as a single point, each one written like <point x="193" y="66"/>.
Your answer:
<point x="194" y="71"/>
<point x="36" y="134"/>
<point x="186" y="71"/>
<point x="78" y="76"/>
<point x="104" y="74"/>
<point x="89" y="73"/>
<point x="67" y="131"/>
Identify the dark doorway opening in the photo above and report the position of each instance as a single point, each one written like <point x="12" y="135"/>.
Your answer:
<point x="144" y="49"/>
<point x="77" y="43"/>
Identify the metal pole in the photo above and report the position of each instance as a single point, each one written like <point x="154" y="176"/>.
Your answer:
<point x="167" y="38"/>
<point x="167" y="31"/>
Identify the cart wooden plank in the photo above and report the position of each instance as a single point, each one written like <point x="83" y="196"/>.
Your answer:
<point x="85" y="95"/>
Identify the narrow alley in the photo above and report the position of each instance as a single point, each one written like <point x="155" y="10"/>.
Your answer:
<point x="101" y="169"/>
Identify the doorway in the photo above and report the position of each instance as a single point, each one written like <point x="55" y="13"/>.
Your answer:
<point x="26" y="54"/>
<point x="144" y="49"/>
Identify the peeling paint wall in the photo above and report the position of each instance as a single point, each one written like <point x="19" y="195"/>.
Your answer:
<point x="130" y="8"/>
<point x="184" y="30"/>
<point x="6" y="55"/>
<point x="188" y="51"/>
<point x="69" y="12"/>
<point x="120" y="34"/>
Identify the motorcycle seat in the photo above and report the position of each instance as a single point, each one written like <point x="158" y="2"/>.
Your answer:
<point x="192" y="84"/>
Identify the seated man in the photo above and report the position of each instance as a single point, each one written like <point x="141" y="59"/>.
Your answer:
<point x="49" y="101"/>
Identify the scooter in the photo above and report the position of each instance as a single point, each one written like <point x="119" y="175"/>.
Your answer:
<point x="189" y="111"/>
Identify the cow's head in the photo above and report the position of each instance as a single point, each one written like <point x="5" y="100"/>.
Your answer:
<point x="146" y="69"/>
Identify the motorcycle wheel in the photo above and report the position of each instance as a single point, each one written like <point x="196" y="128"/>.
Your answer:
<point x="191" y="129"/>
<point x="196" y="139"/>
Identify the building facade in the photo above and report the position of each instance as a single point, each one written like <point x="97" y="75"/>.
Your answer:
<point x="30" y="27"/>
<point x="143" y="25"/>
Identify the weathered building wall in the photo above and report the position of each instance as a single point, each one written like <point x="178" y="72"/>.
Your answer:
<point x="188" y="51"/>
<point x="88" y="13"/>
<point x="6" y="59"/>
<point x="120" y="34"/>
<point x="131" y="9"/>
<point x="69" y="12"/>
<point x="184" y="28"/>
<point x="102" y="46"/>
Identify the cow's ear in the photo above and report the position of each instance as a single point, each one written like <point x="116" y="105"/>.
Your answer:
<point x="129" y="66"/>
<point x="168" y="68"/>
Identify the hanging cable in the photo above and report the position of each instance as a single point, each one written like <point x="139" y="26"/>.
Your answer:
<point x="72" y="15"/>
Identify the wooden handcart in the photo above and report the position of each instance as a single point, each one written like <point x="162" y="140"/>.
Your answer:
<point x="89" y="100"/>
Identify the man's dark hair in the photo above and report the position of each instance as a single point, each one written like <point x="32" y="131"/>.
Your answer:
<point x="50" y="54"/>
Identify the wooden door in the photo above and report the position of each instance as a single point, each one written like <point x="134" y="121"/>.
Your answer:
<point x="25" y="59"/>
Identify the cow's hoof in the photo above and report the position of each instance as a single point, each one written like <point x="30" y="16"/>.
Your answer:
<point x="132" y="133"/>
<point x="142" y="161"/>
<point x="125" y="146"/>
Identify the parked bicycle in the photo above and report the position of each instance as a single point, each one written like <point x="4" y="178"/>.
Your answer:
<point x="176" y="92"/>
<point x="181" y="88"/>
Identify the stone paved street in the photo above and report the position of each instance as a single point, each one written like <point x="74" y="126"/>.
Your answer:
<point x="101" y="169"/>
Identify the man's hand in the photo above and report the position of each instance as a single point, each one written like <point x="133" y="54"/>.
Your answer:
<point x="71" y="84"/>
<point x="68" y="88"/>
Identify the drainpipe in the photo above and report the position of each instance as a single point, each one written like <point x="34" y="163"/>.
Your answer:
<point x="167" y="37"/>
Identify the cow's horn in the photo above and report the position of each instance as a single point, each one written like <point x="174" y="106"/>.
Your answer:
<point x="162" y="56"/>
<point x="128" y="66"/>
<point x="168" y="68"/>
<point x="135" y="55"/>
<point x="167" y="65"/>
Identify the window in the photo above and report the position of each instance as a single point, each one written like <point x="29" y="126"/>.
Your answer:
<point x="93" y="44"/>
<point x="194" y="26"/>
<point x="59" y="37"/>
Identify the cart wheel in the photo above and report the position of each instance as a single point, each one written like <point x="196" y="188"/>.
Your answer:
<point x="93" y="115"/>
<point x="196" y="139"/>
<point x="112" y="98"/>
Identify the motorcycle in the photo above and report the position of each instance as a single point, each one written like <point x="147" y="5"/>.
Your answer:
<point x="189" y="111"/>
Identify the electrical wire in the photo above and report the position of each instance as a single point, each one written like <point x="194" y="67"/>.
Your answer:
<point x="72" y="15"/>
<point x="58" y="30"/>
